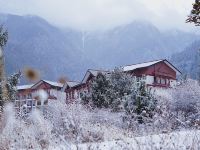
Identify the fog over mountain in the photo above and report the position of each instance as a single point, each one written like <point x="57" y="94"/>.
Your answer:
<point x="188" y="61"/>
<point x="33" y="42"/>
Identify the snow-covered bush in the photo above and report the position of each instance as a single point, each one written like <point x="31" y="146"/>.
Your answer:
<point x="121" y="84"/>
<point x="108" y="90"/>
<point x="178" y="107"/>
<point x="186" y="102"/>
<point x="72" y="124"/>
<point x="140" y="104"/>
<point x="86" y="98"/>
<point x="19" y="134"/>
<point x="100" y="90"/>
<point x="187" y="98"/>
<point x="11" y="84"/>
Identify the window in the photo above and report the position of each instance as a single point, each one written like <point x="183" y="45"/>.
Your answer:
<point x="167" y="81"/>
<point x="46" y="102"/>
<point x="29" y="96"/>
<point x="23" y="102"/>
<point x="24" y="96"/>
<point x="48" y="91"/>
<point x="143" y="77"/>
<point x="158" y="80"/>
<point x="29" y="103"/>
<point x="162" y="81"/>
<point x="18" y="97"/>
<point x="38" y="102"/>
<point x="34" y="102"/>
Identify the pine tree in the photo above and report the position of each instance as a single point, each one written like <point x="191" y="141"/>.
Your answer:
<point x="99" y="89"/>
<point x="11" y="85"/>
<point x="3" y="41"/>
<point x="3" y="36"/>
<point x="141" y="103"/>
<point x="7" y="85"/>
<point x="12" y="82"/>
<point x="194" y="17"/>
<point x="85" y="98"/>
<point x="121" y="85"/>
<point x="121" y="82"/>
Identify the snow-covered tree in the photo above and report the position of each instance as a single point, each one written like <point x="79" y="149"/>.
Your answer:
<point x="185" y="105"/>
<point x="108" y="90"/>
<point x="194" y="17"/>
<point x="3" y="41"/>
<point x="99" y="91"/>
<point x="11" y="84"/>
<point x="3" y="36"/>
<point x="121" y="84"/>
<point x="140" y="104"/>
<point x="85" y="97"/>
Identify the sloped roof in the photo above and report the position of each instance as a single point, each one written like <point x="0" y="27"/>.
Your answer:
<point x="92" y="72"/>
<point x="150" y="63"/>
<point x="140" y="65"/>
<point x="24" y="87"/>
<point x="56" y="84"/>
<point x="72" y="83"/>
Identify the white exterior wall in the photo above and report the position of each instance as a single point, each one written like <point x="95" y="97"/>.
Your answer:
<point x="149" y="79"/>
<point x="58" y="94"/>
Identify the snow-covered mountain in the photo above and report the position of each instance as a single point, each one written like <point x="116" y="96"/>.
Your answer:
<point x="59" y="52"/>
<point x="188" y="61"/>
<point x="135" y="42"/>
<point x="35" y="43"/>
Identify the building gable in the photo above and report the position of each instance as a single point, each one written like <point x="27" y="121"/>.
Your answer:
<point x="41" y="85"/>
<point x="161" y="69"/>
<point x="154" y="68"/>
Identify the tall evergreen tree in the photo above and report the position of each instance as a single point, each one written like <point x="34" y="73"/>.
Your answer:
<point x="194" y="17"/>
<point x="121" y="85"/>
<point x="11" y="85"/>
<point x="7" y="85"/>
<point x="3" y="36"/>
<point x="99" y="90"/>
<point x="3" y="41"/>
<point x="140" y="104"/>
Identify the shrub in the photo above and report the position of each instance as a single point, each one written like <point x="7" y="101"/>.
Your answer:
<point x="140" y="103"/>
<point x="99" y="91"/>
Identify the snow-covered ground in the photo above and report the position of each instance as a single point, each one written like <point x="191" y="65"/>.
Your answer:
<point x="182" y="140"/>
<point x="175" y="125"/>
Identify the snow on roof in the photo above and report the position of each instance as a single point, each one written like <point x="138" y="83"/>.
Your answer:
<point x="72" y="83"/>
<point x="93" y="72"/>
<point x="54" y="83"/>
<point x="140" y="65"/>
<point x="49" y="82"/>
<point x="23" y="87"/>
<point x="147" y="64"/>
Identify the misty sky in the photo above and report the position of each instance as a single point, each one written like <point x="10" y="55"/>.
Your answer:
<point x="104" y="14"/>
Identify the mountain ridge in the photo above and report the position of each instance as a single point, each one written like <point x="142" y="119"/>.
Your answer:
<point x="56" y="52"/>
